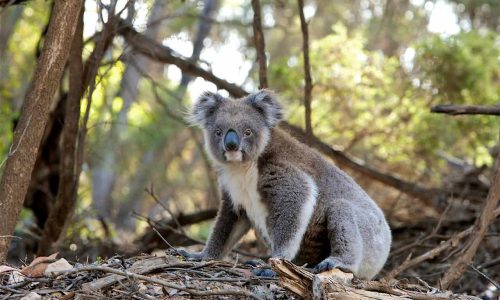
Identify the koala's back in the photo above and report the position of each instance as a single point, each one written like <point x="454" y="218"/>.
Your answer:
<point x="337" y="192"/>
<point x="332" y="182"/>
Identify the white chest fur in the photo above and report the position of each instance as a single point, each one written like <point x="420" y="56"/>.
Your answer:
<point x="241" y="181"/>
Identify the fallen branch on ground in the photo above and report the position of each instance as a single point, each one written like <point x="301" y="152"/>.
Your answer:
<point x="335" y="284"/>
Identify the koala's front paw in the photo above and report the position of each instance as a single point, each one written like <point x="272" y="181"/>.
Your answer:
<point x="191" y="256"/>
<point x="263" y="272"/>
<point x="260" y="268"/>
<point x="329" y="264"/>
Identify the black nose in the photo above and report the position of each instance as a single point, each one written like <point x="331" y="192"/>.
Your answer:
<point x="231" y="141"/>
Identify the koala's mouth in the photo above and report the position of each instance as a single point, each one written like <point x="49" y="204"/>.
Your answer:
<point x="233" y="156"/>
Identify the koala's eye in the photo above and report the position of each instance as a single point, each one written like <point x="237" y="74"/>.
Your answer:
<point x="248" y="132"/>
<point x="218" y="132"/>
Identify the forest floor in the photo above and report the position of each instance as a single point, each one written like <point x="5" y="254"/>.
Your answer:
<point x="169" y="276"/>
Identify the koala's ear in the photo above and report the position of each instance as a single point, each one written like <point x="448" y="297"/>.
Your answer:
<point x="265" y="102"/>
<point x="204" y="108"/>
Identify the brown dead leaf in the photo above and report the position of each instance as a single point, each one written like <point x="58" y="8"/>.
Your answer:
<point x="38" y="265"/>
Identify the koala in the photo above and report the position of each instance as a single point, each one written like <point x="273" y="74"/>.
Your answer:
<point x="305" y="208"/>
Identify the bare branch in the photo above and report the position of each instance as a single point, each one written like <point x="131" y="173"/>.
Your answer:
<point x="158" y="52"/>
<point x="260" y="44"/>
<point x="454" y="110"/>
<point x="307" y="68"/>
<point x="488" y="215"/>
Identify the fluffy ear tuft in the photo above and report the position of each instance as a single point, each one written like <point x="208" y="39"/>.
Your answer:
<point x="265" y="102"/>
<point x="204" y="108"/>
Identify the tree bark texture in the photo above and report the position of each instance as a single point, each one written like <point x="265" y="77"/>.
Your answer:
<point x="67" y="189"/>
<point x="34" y="115"/>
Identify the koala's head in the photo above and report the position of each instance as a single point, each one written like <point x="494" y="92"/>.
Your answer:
<point x="236" y="130"/>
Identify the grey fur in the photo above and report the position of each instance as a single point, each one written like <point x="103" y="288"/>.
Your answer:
<point x="306" y="208"/>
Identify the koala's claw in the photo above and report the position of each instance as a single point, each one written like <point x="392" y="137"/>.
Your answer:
<point x="263" y="272"/>
<point x="190" y="256"/>
<point x="255" y="263"/>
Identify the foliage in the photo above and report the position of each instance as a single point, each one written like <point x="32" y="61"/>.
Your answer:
<point x="462" y="69"/>
<point x="370" y="105"/>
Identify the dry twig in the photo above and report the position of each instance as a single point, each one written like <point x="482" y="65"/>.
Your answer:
<point x="190" y="290"/>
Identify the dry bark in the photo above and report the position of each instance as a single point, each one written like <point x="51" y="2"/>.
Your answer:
<point x="335" y="284"/>
<point x="34" y="116"/>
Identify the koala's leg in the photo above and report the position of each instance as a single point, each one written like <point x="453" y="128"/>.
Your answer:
<point x="291" y="197"/>
<point x="228" y="230"/>
<point x="346" y="243"/>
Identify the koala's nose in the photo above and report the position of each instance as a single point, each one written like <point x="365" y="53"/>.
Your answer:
<point x="231" y="141"/>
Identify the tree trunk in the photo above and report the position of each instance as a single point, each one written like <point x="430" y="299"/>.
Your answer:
<point x="67" y="188"/>
<point x="34" y="115"/>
